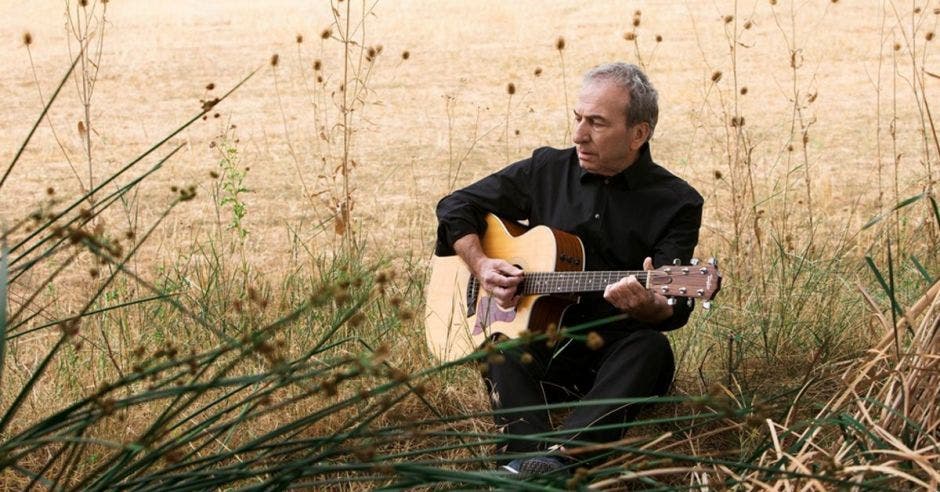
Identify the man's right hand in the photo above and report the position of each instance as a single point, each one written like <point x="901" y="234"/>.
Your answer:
<point x="498" y="277"/>
<point x="501" y="279"/>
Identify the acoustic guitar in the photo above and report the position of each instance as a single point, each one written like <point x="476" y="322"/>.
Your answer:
<point x="459" y="316"/>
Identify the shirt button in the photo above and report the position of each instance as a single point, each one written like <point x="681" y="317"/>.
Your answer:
<point x="597" y="216"/>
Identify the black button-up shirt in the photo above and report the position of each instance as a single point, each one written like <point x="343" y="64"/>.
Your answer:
<point x="643" y="211"/>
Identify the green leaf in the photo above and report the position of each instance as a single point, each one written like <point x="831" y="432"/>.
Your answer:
<point x="903" y="203"/>
<point x="923" y="271"/>
<point x="884" y="284"/>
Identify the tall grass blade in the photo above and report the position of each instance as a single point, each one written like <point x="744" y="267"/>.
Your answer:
<point x="923" y="271"/>
<point x="100" y="206"/>
<point x="936" y="210"/>
<point x="884" y="285"/>
<point x="42" y="115"/>
<point x="903" y="203"/>
<point x="3" y="310"/>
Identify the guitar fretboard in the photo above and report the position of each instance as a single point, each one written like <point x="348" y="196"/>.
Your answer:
<point x="573" y="282"/>
<point x="538" y="283"/>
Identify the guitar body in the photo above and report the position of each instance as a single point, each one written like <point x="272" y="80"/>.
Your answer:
<point x="459" y="316"/>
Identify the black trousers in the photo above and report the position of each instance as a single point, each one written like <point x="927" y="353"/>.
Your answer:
<point x="634" y="364"/>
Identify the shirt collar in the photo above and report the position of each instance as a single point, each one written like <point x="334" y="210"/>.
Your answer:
<point x="631" y="177"/>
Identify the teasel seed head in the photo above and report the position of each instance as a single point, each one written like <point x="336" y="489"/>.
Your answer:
<point x="299" y="38"/>
<point x="328" y="386"/>
<point x="274" y="59"/>
<point x="526" y="358"/>
<point x="728" y="19"/>
<point x="748" y="24"/>
<point x="718" y="174"/>
<point x="83" y="3"/>
<point x="929" y="36"/>
<point x="50" y="191"/>
<point x="27" y="38"/>
<point x="636" y="22"/>
<point x="629" y="36"/>
<point x="405" y="55"/>
<point x="213" y="175"/>
<point x="560" y="43"/>
<point x="317" y="65"/>
<point x="594" y="341"/>
<point x="210" y="86"/>
<point x="917" y="10"/>
<point x="326" y="33"/>
<point x="537" y="71"/>
<point x="716" y="76"/>
<point x="659" y="38"/>
<point x="397" y="375"/>
<point x="744" y="91"/>
<point x="511" y="88"/>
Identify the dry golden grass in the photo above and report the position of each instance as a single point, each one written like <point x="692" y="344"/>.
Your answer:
<point x="443" y="108"/>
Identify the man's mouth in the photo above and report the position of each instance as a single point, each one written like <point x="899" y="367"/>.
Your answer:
<point x="585" y="155"/>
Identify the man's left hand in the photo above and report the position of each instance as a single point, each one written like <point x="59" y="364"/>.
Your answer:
<point x="631" y="297"/>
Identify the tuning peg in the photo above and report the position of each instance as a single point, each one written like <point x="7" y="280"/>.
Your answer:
<point x="707" y="304"/>
<point x="713" y="262"/>
<point x="677" y="261"/>
<point x="671" y="301"/>
<point x="694" y="262"/>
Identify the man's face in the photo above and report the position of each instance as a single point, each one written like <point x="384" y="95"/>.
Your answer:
<point x="605" y="144"/>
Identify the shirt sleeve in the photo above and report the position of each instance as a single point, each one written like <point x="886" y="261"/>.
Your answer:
<point x="505" y="193"/>
<point x="679" y="241"/>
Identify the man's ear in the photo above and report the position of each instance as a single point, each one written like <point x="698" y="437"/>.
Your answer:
<point x="639" y="134"/>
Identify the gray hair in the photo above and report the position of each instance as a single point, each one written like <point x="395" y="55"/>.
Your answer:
<point x="644" y="105"/>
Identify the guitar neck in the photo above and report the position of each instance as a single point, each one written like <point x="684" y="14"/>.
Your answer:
<point x="575" y="282"/>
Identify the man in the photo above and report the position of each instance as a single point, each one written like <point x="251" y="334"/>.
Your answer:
<point x="630" y="213"/>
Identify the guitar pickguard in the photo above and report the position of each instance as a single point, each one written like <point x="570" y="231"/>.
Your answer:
<point x="490" y="312"/>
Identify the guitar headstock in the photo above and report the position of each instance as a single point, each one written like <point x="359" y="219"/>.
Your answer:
<point x="697" y="281"/>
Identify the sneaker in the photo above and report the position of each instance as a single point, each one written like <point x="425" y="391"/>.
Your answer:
<point x="535" y="466"/>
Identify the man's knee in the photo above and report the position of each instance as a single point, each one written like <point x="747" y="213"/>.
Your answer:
<point x="653" y="343"/>
<point x="658" y="354"/>
<point x="645" y="352"/>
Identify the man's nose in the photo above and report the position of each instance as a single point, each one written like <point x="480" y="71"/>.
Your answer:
<point x="581" y="134"/>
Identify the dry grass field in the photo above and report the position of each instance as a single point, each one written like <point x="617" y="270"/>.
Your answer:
<point x="799" y="121"/>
